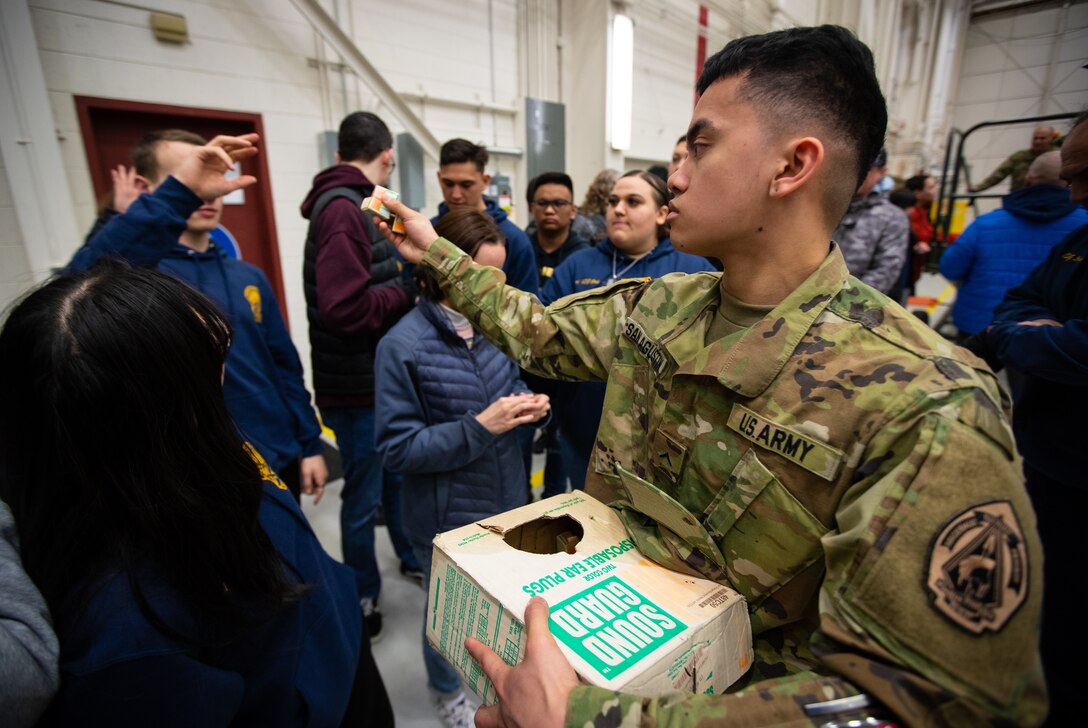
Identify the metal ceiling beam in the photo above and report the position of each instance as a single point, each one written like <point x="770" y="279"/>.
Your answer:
<point x="364" y="69"/>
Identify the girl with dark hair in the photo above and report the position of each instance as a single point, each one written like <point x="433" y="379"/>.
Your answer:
<point x="637" y="246"/>
<point x="595" y="204"/>
<point x="447" y="405"/>
<point x="925" y="190"/>
<point x="185" y="584"/>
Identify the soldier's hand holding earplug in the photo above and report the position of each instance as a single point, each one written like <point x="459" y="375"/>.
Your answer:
<point x="418" y="232"/>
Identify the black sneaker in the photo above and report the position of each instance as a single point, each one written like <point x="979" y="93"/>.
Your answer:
<point x="412" y="572"/>
<point x="372" y="617"/>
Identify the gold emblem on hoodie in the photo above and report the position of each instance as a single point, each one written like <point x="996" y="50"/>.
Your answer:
<point x="254" y="297"/>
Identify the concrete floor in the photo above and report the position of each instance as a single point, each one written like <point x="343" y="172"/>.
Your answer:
<point x="398" y="652"/>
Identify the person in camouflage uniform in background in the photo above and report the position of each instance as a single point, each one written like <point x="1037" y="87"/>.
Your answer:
<point x="874" y="234"/>
<point x="1016" y="166"/>
<point x="816" y="447"/>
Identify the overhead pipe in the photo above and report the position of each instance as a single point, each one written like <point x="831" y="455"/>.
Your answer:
<point x="364" y="69"/>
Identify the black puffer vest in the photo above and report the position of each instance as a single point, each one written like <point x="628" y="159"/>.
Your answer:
<point x="343" y="366"/>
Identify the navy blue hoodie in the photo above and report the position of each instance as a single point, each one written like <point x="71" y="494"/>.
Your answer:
<point x="520" y="265"/>
<point x="577" y="405"/>
<point x="263" y="384"/>
<point x="293" y="669"/>
<point x="1000" y="248"/>
<point x="1049" y="416"/>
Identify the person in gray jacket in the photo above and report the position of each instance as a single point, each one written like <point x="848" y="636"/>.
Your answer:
<point x="28" y="646"/>
<point x="873" y="234"/>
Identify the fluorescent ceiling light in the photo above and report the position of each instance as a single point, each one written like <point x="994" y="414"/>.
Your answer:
<point x="621" y="82"/>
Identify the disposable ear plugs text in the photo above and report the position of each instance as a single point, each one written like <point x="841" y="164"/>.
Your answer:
<point x="623" y="622"/>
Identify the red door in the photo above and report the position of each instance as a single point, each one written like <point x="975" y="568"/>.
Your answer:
<point x="111" y="127"/>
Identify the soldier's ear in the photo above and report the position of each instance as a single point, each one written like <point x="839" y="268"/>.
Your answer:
<point x="800" y="160"/>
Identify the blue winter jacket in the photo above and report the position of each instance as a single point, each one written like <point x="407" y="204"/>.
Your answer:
<point x="1049" y="416"/>
<point x="520" y="265"/>
<point x="1000" y="248"/>
<point x="263" y="385"/>
<point x="294" y="669"/>
<point x="429" y="387"/>
<point x="577" y="405"/>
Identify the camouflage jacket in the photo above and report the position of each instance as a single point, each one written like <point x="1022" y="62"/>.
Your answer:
<point x="841" y="465"/>
<point x="1015" y="168"/>
<point x="873" y="237"/>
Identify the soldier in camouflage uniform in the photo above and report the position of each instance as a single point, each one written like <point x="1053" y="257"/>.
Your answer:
<point x="1017" y="164"/>
<point x="842" y="466"/>
<point x="874" y="234"/>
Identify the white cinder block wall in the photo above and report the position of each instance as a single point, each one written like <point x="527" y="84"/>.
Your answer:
<point x="15" y="275"/>
<point x="465" y="68"/>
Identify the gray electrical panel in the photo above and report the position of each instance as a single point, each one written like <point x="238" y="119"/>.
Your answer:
<point x="409" y="173"/>
<point x="327" y="144"/>
<point x="545" y="136"/>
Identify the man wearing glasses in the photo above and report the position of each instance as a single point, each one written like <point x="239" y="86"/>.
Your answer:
<point x="551" y="200"/>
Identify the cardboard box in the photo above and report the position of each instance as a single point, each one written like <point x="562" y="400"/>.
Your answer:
<point x="623" y="622"/>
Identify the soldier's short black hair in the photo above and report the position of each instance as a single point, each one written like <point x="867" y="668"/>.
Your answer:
<point x="800" y="76"/>
<point x="548" y="178"/>
<point x="363" y="136"/>
<point x="457" y="151"/>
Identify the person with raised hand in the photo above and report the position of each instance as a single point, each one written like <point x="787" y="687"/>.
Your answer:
<point x="170" y="230"/>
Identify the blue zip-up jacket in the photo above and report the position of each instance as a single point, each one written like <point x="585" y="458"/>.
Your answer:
<point x="578" y="404"/>
<point x="1049" y="416"/>
<point x="294" y="669"/>
<point x="520" y="265"/>
<point x="429" y="388"/>
<point x="1000" y="248"/>
<point x="263" y="385"/>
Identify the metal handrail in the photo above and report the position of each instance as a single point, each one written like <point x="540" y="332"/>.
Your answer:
<point x="947" y="197"/>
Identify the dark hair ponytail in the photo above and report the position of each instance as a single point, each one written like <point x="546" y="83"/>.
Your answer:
<point x="117" y="451"/>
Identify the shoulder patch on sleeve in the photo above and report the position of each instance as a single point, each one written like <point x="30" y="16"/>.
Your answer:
<point x="978" y="567"/>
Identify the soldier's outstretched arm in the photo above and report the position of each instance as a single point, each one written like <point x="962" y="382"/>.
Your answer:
<point x="574" y="338"/>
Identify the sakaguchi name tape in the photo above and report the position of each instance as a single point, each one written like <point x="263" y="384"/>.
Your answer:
<point x="623" y="622"/>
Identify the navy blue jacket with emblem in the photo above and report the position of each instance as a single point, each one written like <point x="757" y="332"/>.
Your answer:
<point x="294" y="668"/>
<point x="263" y="383"/>
<point x="1049" y="416"/>
<point x="429" y="388"/>
<point x="577" y="405"/>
